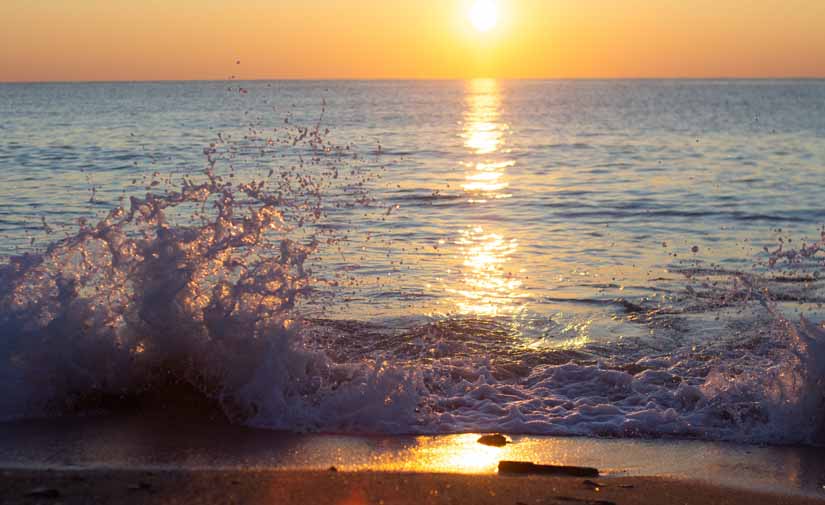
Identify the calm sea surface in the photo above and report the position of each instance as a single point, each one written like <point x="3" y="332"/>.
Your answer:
<point x="567" y="257"/>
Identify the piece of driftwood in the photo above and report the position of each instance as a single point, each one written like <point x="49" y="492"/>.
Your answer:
<point x="525" y="467"/>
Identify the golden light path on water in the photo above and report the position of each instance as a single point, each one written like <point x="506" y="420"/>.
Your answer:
<point x="484" y="137"/>
<point x="490" y="284"/>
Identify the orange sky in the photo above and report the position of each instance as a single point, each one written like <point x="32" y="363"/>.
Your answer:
<point x="44" y="40"/>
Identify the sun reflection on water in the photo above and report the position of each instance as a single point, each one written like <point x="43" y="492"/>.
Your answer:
<point x="488" y="178"/>
<point x="484" y="136"/>
<point x="489" y="289"/>
<point x="490" y="285"/>
<point x="463" y="454"/>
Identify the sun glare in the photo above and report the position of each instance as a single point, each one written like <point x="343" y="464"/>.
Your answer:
<point x="484" y="15"/>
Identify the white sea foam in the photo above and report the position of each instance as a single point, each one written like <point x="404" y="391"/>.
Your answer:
<point x="108" y="311"/>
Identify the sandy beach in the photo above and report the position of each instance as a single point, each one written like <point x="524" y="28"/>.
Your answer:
<point x="298" y="487"/>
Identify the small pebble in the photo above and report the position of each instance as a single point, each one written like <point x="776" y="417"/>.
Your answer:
<point x="496" y="440"/>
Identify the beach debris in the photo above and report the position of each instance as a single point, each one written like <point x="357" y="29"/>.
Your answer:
<point x="496" y="440"/>
<point x="525" y="467"/>
<point x="583" y="501"/>
<point x="44" y="492"/>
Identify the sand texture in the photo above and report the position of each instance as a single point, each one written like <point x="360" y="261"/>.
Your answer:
<point x="345" y="488"/>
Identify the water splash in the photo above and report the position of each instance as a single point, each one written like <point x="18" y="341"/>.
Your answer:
<point x="196" y="284"/>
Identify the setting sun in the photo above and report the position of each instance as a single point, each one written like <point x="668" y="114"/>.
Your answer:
<point x="484" y="15"/>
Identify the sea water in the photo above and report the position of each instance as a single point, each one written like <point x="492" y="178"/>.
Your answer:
<point x="598" y="258"/>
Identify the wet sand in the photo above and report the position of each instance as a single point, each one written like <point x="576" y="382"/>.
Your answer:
<point x="328" y="487"/>
<point x="170" y="459"/>
<point x="159" y="443"/>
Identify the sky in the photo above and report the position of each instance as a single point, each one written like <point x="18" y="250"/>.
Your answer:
<point x="80" y="40"/>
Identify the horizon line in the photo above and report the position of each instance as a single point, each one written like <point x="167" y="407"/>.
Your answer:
<point x="421" y="79"/>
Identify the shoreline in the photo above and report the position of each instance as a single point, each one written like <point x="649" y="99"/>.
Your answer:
<point x="356" y="488"/>
<point x="51" y="451"/>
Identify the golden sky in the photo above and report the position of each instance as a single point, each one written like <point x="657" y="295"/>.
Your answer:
<point x="47" y="40"/>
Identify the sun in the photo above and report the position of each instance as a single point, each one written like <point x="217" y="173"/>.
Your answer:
<point x="484" y="15"/>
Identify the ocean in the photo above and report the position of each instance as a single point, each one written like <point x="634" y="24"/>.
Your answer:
<point x="626" y="258"/>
